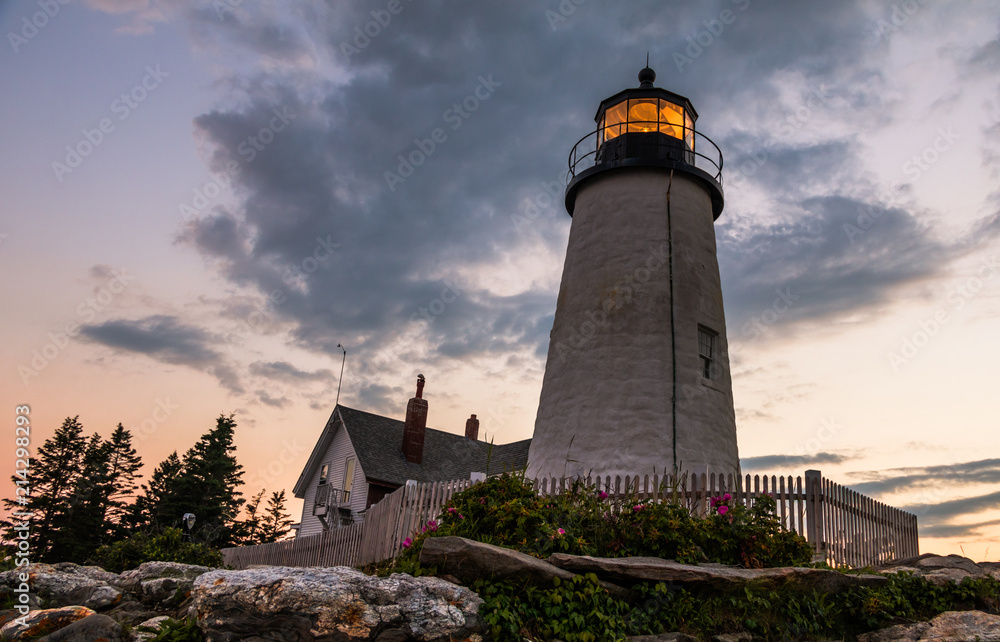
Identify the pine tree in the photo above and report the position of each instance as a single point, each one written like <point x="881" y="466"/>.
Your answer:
<point x="159" y="497"/>
<point x="250" y="528"/>
<point x="123" y="468"/>
<point x="276" y="523"/>
<point x="208" y="486"/>
<point x="80" y="529"/>
<point x="52" y="477"/>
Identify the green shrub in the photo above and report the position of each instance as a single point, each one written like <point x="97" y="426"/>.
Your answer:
<point x="505" y="511"/>
<point x="144" y="546"/>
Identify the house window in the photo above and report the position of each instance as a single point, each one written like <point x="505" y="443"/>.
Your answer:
<point x="708" y="347"/>
<point x="324" y="472"/>
<point x="348" y="481"/>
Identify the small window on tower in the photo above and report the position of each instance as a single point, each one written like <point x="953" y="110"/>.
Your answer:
<point x="708" y="347"/>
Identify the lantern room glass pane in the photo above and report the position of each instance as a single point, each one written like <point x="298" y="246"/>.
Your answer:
<point x="642" y="115"/>
<point x="671" y="119"/>
<point x="614" y="118"/>
<point x="688" y="131"/>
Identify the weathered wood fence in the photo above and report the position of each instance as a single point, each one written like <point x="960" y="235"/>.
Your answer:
<point x="844" y="527"/>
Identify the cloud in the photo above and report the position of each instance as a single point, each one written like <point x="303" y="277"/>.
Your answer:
<point x="284" y="371"/>
<point x="984" y="471"/>
<point x="770" y="462"/>
<point x="169" y="340"/>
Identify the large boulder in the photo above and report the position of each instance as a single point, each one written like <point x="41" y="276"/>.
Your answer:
<point x="281" y="603"/>
<point x="162" y="583"/>
<point x="93" y="628"/>
<point x="629" y="570"/>
<point x="65" y="584"/>
<point x="469" y="560"/>
<point x="937" y="569"/>
<point x="42" y="622"/>
<point x="954" y="626"/>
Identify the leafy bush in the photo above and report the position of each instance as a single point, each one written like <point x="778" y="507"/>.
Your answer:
<point x="144" y="546"/>
<point x="506" y="511"/>
<point x="580" y="610"/>
<point x="175" y="631"/>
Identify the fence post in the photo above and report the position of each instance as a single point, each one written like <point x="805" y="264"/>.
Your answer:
<point x="814" y="509"/>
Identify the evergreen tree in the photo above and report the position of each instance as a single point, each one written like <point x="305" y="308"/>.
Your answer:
<point x="52" y="478"/>
<point x="159" y="498"/>
<point x="80" y="529"/>
<point x="276" y="523"/>
<point x="208" y="486"/>
<point x="250" y="528"/>
<point x="123" y="469"/>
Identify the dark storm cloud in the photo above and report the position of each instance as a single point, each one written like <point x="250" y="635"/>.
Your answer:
<point x="166" y="339"/>
<point x="767" y="462"/>
<point x="507" y="91"/>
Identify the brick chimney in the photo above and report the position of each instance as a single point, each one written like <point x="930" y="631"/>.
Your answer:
<point x="416" y="425"/>
<point x="472" y="428"/>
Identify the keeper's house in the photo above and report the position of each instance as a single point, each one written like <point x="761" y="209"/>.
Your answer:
<point x="361" y="457"/>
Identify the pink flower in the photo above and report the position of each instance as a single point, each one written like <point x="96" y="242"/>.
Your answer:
<point x="451" y="510"/>
<point x="482" y="500"/>
<point x="561" y="531"/>
<point x="602" y="495"/>
<point x="638" y="507"/>
<point x="407" y="543"/>
<point x="726" y="497"/>
<point x="461" y="516"/>
<point x="716" y="501"/>
<point x="431" y="526"/>
<point x="723" y="510"/>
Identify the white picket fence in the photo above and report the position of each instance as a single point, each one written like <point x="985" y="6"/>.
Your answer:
<point x="845" y="527"/>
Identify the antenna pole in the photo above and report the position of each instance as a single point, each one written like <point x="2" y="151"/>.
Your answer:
<point x="341" y="382"/>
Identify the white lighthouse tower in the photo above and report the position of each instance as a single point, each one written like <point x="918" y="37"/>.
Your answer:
<point x="637" y="379"/>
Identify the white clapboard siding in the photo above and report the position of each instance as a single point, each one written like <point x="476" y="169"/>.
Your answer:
<point x="336" y="455"/>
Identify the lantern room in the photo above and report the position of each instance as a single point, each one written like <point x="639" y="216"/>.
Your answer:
<point x="650" y="127"/>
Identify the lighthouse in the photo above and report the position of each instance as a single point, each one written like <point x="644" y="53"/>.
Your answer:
<point x="637" y="379"/>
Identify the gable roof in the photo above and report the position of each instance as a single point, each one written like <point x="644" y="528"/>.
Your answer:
<point x="378" y="442"/>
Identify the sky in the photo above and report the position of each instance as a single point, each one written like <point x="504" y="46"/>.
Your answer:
<point x="203" y="198"/>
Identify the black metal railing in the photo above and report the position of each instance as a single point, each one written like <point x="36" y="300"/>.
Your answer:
<point x="597" y="149"/>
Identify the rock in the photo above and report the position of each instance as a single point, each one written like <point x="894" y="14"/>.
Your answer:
<point x="43" y="622"/>
<point x="280" y="603"/>
<point x="163" y="583"/>
<point x="92" y="628"/>
<point x="663" y="637"/>
<point x="629" y="570"/>
<point x="66" y="584"/>
<point x="138" y="635"/>
<point x="953" y="626"/>
<point x="991" y="568"/>
<point x="939" y="569"/>
<point x="469" y="560"/>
